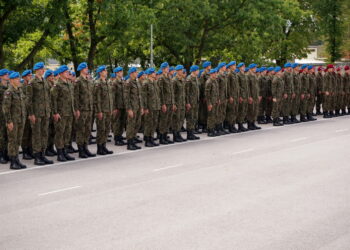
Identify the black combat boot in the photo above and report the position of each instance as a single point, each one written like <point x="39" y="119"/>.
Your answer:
<point x="294" y="119"/>
<point x="107" y="151"/>
<point x="26" y="155"/>
<point x="219" y="131"/>
<point x="118" y="141"/>
<point x="180" y="136"/>
<point x="326" y="114"/>
<point x="191" y="136"/>
<point x="14" y="165"/>
<point x="251" y="126"/>
<point x="336" y="113"/>
<point x="318" y="112"/>
<point x="162" y="140"/>
<point x="38" y="160"/>
<point x="47" y="161"/>
<point x="153" y="142"/>
<point x="70" y="149"/>
<point x="223" y="129"/>
<point x="131" y="145"/>
<point x="269" y="119"/>
<point x="2" y="158"/>
<point x="100" y="150"/>
<point x="176" y="137"/>
<point x="60" y="155"/>
<point x="310" y="117"/>
<point x="261" y="120"/>
<point x="67" y="156"/>
<point x="87" y="151"/>
<point x="241" y="128"/>
<point x="276" y="122"/>
<point x="303" y="119"/>
<point x="211" y="133"/>
<point x="255" y="126"/>
<point x="343" y="112"/>
<point x="50" y="151"/>
<point x="82" y="153"/>
<point x="20" y="163"/>
<point x="148" y="142"/>
<point x="137" y="140"/>
<point x="168" y="139"/>
<point x="286" y="120"/>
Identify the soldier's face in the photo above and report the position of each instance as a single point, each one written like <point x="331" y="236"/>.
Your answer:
<point x="15" y="82"/>
<point x="120" y="74"/>
<point x="103" y="73"/>
<point x="5" y="77"/>
<point x="166" y="70"/>
<point x="331" y="70"/>
<point x="40" y="72"/>
<point x="84" y="71"/>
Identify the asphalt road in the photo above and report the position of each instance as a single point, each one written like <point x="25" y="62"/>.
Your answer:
<point x="278" y="188"/>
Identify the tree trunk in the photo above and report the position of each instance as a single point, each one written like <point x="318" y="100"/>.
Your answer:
<point x="3" y="18"/>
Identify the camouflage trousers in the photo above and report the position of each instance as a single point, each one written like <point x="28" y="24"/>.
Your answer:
<point x="232" y="112"/>
<point x="311" y="104"/>
<point x="212" y="117"/>
<point x="3" y="134"/>
<point x="286" y="106"/>
<point x="319" y="101"/>
<point x="327" y="103"/>
<point x="262" y="106"/>
<point x="269" y="104"/>
<point x="178" y="119"/>
<point x="242" y="111"/>
<point x="63" y="130"/>
<point x="83" y="128"/>
<point x="14" y="139"/>
<point x="295" y="105"/>
<point x="202" y="112"/>
<point x="252" y="111"/>
<point x="133" y="125"/>
<point x="150" y="122"/>
<point x="119" y="122"/>
<point x="276" y="108"/>
<point x="222" y="112"/>
<point x="103" y="127"/>
<point x="304" y="105"/>
<point x="192" y="117"/>
<point x="51" y="139"/>
<point x="165" y="119"/>
<point x="27" y="135"/>
<point x="40" y="134"/>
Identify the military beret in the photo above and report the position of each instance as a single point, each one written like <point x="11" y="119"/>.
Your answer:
<point x="48" y="73"/>
<point x="346" y="67"/>
<point x="240" y="65"/>
<point x="132" y="70"/>
<point x="150" y="71"/>
<point x="126" y="77"/>
<point x="14" y="75"/>
<point x="231" y="64"/>
<point x="179" y="67"/>
<point x="252" y="66"/>
<point x="184" y="70"/>
<point x="287" y="65"/>
<point x="200" y="72"/>
<point x="270" y="69"/>
<point x="294" y="65"/>
<point x="159" y="72"/>
<point x="27" y="72"/>
<point x="141" y="73"/>
<point x="38" y="65"/>
<point x="55" y="73"/>
<point x="277" y="69"/>
<point x="10" y="72"/>
<point x="112" y="75"/>
<point x="22" y="81"/>
<point x="164" y="65"/>
<point x="212" y="71"/>
<point x="118" y="69"/>
<point x="310" y="67"/>
<point x="82" y="66"/>
<point x="72" y="73"/>
<point x="171" y="68"/>
<point x="101" y="68"/>
<point x="320" y="68"/>
<point x="194" y="68"/>
<point x="339" y="69"/>
<point x="304" y="66"/>
<point x="246" y="69"/>
<point x="330" y="66"/>
<point x="237" y="70"/>
<point x="62" y="69"/>
<point x="221" y="65"/>
<point x="3" y="72"/>
<point x="263" y="69"/>
<point x="206" y="64"/>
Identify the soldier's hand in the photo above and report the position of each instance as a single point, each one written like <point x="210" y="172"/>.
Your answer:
<point x="77" y="114"/>
<point x="327" y="93"/>
<point x="274" y="99"/>
<point x="100" y="116"/>
<point x="302" y="96"/>
<point x="10" y="126"/>
<point x="174" y="108"/>
<point x="56" y="117"/>
<point x="293" y="95"/>
<point x="130" y="113"/>
<point x="250" y="100"/>
<point x="308" y="95"/>
<point x="164" y="108"/>
<point x="188" y="107"/>
<point x="240" y="100"/>
<point x="32" y="119"/>
<point x="285" y="96"/>
<point x="145" y="111"/>
<point x="260" y="97"/>
<point x="115" y="112"/>
<point x="210" y="107"/>
<point x="231" y="100"/>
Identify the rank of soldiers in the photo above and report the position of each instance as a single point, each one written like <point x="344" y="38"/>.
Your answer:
<point x="44" y="112"/>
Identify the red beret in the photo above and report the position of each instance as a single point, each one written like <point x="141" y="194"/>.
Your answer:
<point x="347" y="67"/>
<point x="330" y="66"/>
<point x="320" y="68"/>
<point x="339" y="69"/>
<point x="301" y="70"/>
<point x="325" y="70"/>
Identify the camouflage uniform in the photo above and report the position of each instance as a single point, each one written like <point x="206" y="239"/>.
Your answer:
<point x="151" y="101"/>
<point x="312" y="91"/>
<point x="319" y="92"/>
<point x="212" y="98"/>
<point x="27" y="131"/>
<point x="297" y="91"/>
<point x="304" y="90"/>
<point x="263" y="81"/>
<point x="166" y="98"/>
<point x="192" y="98"/>
<point x="119" y="120"/>
<point x="288" y="90"/>
<point x="253" y="88"/>
<point x="277" y="88"/>
<point x="243" y="93"/>
<point x="3" y="133"/>
<point x="180" y="102"/>
<point x="222" y="82"/>
<point x="202" y="108"/>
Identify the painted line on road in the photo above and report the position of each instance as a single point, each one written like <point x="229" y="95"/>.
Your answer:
<point x="243" y="151"/>
<point x="299" y="139"/>
<point x="169" y="167"/>
<point x="341" y="130"/>
<point x="59" y="190"/>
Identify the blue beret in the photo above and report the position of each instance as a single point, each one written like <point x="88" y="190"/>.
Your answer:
<point x="212" y="71"/>
<point x="159" y="72"/>
<point x="62" y="69"/>
<point x="4" y="72"/>
<point x="200" y="72"/>
<point x="10" y="72"/>
<point x="184" y="70"/>
<point x="194" y="68"/>
<point x="270" y="69"/>
<point x="55" y="73"/>
<point x="101" y="68"/>
<point x="27" y="72"/>
<point x="237" y="70"/>
<point x="82" y="66"/>
<point x="150" y="71"/>
<point x="118" y="69"/>
<point x="14" y="75"/>
<point x="240" y="65"/>
<point x="206" y="64"/>
<point x="222" y="64"/>
<point x="72" y="73"/>
<point x="246" y="69"/>
<point x="231" y="64"/>
<point x="164" y="65"/>
<point x="179" y="67"/>
<point x="38" y="65"/>
<point x="277" y="69"/>
<point x="252" y="66"/>
<point x="262" y="69"/>
<point x="294" y="65"/>
<point x="258" y="70"/>
<point x="47" y="73"/>
<point x="310" y="67"/>
<point x="304" y="66"/>
<point x="112" y="75"/>
<point x="126" y="77"/>
<point x="22" y="81"/>
<point x="141" y="73"/>
<point x="287" y="65"/>
<point x="171" y="68"/>
<point x="132" y="70"/>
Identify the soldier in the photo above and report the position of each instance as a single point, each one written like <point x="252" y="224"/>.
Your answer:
<point x="119" y="113"/>
<point x="223" y="96"/>
<point x="83" y="105"/>
<point x="340" y="92"/>
<point x="312" y="93"/>
<point x="103" y="104"/>
<point x="319" y="90"/>
<point x="167" y="102"/>
<point x="243" y="97"/>
<point x="26" y="143"/>
<point x="277" y="89"/>
<point x="134" y="108"/>
<point x="254" y="98"/>
<point x="202" y="109"/>
<point x="178" y="83"/>
<point x="287" y="95"/>
<point x="39" y="110"/>
<point x="171" y="71"/>
<point x="269" y="102"/>
<point x="304" y="92"/>
<point x="212" y="100"/>
<point x="262" y="83"/>
<point x="327" y="91"/>
<point x="192" y="102"/>
<point x="4" y="77"/>
<point x="295" y="109"/>
<point x="232" y="94"/>
<point x="151" y="102"/>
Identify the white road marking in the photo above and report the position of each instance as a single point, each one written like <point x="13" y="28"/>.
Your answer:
<point x="341" y="130"/>
<point x="59" y="190"/>
<point x="169" y="167"/>
<point x="243" y="151"/>
<point x="299" y="139"/>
